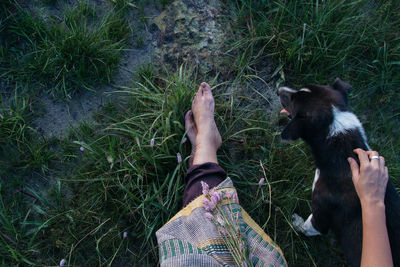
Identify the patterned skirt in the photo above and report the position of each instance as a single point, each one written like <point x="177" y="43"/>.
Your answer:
<point x="191" y="239"/>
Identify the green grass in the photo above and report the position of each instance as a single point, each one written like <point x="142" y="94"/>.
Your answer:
<point x="21" y="147"/>
<point x="314" y="42"/>
<point x="119" y="183"/>
<point x="24" y="156"/>
<point x="63" y="56"/>
<point x="74" y="197"/>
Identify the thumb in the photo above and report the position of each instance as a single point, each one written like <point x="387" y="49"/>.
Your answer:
<point x="355" y="170"/>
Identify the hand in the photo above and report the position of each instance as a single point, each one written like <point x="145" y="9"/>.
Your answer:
<point x="370" y="179"/>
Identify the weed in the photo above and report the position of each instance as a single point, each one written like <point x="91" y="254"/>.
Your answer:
<point x="64" y="57"/>
<point x="24" y="156"/>
<point x="316" y="40"/>
<point x="21" y="147"/>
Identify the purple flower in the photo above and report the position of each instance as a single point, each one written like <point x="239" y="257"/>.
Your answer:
<point x="208" y="205"/>
<point x="152" y="142"/>
<point x="209" y="216"/>
<point x="261" y="182"/>
<point x="214" y="200"/>
<point x="218" y="196"/>
<point x="63" y="262"/>
<point x="205" y="188"/>
<point x="179" y="157"/>
<point x="82" y="148"/>
<point x="212" y="191"/>
<point x="184" y="140"/>
<point x="124" y="235"/>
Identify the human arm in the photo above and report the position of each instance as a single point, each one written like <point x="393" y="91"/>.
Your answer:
<point x="370" y="180"/>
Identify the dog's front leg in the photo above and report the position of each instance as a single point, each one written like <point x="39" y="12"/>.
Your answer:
<point x="304" y="227"/>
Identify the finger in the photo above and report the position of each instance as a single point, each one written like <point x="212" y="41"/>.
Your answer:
<point x="371" y="153"/>
<point x="382" y="164"/>
<point x="386" y="173"/>
<point x="372" y="156"/>
<point x="355" y="169"/>
<point x="362" y="156"/>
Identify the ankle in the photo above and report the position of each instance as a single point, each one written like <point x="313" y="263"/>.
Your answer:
<point x="206" y="147"/>
<point x="205" y="153"/>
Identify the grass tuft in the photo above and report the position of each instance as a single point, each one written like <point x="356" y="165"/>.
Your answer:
<point x="64" y="57"/>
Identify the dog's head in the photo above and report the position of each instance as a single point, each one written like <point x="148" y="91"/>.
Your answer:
<point x="311" y="108"/>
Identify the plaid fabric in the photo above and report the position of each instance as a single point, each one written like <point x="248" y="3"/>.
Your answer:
<point x="190" y="239"/>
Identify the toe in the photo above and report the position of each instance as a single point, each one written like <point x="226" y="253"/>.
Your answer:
<point x="205" y="87"/>
<point x="188" y="115"/>
<point x="190" y="127"/>
<point x="189" y="121"/>
<point x="200" y="91"/>
<point x="195" y="98"/>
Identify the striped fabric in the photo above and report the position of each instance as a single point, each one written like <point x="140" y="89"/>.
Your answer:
<point x="190" y="239"/>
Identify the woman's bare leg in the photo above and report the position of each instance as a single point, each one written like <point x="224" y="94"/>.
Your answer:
<point x="205" y="140"/>
<point x="208" y="138"/>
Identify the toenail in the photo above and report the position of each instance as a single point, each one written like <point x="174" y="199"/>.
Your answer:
<point x="203" y="84"/>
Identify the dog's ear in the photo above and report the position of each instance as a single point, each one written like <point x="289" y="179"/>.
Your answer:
<point x="342" y="87"/>
<point x="292" y="131"/>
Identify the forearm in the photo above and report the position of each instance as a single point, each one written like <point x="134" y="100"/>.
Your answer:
<point x="376" y="247"/>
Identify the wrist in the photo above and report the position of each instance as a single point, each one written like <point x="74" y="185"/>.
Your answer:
<point x="372" y="207"/>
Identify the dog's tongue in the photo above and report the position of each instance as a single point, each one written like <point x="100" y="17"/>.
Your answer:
<point x="285" y="112"/>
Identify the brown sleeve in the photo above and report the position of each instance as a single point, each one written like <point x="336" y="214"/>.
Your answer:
<point x="209" y="172"/>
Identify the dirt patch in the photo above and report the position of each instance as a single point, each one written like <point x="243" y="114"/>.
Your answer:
<point x="187" y="31"/>
<point x="60" y="116"/>
<point x="190" y="31"/>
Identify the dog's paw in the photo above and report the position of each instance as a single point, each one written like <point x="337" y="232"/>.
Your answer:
<point x="297" y="223"/>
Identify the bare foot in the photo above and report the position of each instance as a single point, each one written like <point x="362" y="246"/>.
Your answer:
<point x="191" y="133"/>
<point x="208" y="138"/>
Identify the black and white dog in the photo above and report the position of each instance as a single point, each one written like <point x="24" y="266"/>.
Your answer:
<point x="319" y="116"/>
